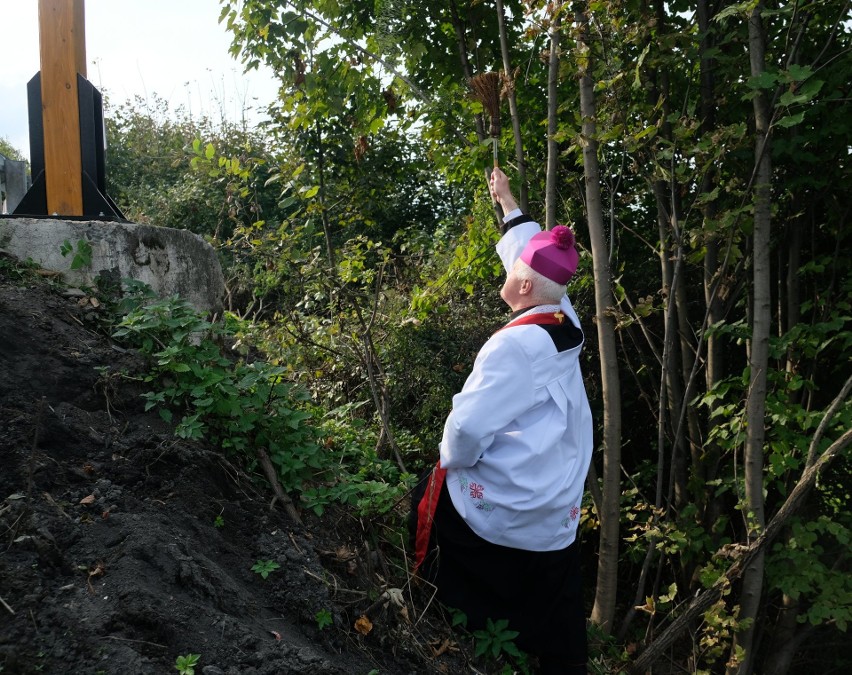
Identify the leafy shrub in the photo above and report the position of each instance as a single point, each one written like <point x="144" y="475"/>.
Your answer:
<point x="237" y="405"/>
<point x="359" y="478"/>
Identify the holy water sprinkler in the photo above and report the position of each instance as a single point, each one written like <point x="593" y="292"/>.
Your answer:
<point x="487" y="89"/>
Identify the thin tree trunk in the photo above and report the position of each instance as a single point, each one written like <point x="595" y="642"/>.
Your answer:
<point x="375" y="372"/>
<point x="681" y="349"/>
<point x="523" y="190"/>
<point x="793" y="240"/>
<point x="550" y="191"/>
<point x="714" y="368"/>
<point x="464" y="59"/>
<point x="467" y="70"/>
<point x="326" y="227"/>
<point x="671" y="393"/>
<point x="793" y="290"/>
<point x="670" y="390"/>
<point x="788" y="635"/>
<point x="752" y="586"/>
<point x="603" y="611"/>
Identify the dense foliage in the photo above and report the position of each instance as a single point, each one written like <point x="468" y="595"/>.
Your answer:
<point x="9" y="151"/>
<point x="357" y="236"/>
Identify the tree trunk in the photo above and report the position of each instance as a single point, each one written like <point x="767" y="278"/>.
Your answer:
<point x="671" y="393"/>
<point x="326" y="227"/>
<point x="752" y="585"/>
<point x="603" y="611"/>
<point x="794" y="299"/>
<point x="467" y="70"/>
<point x="550" y="191"/>
<point x="714" y="369"/>
<point x="523" y="190"/>
<point x="461" y="41"/>
<point x="787" y="637"/>
<point x="684" y="445"/>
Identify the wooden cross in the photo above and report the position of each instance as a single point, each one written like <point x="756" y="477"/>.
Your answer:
<point x="62" y="41"/>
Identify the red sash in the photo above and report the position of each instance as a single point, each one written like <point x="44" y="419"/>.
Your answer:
<point x="429" y="502"/>
<point x="426" y="514"/>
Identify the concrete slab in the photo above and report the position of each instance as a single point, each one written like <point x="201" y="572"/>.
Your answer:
<point x="170" y="261"/>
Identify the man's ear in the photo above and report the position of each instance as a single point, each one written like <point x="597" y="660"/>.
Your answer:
<point x="526" y="287"/>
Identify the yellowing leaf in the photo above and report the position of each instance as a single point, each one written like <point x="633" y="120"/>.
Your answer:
<point x="363" y="625"/>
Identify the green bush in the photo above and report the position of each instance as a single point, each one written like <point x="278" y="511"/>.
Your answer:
<point x="359" y="477"/>
<point x="236" y="405"/>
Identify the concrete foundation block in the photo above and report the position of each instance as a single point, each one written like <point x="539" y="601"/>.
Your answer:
<point x="170" y="261"/>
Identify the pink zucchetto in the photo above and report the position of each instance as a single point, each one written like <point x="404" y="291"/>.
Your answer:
<point x="552" y="254"/>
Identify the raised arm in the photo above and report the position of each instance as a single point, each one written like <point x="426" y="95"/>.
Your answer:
<point x="501" y="192"/>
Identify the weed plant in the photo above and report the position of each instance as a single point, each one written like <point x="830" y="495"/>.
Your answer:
<point x="265" y="567"/>
<point x="241" y="406"/>
<point x="185" y="665"/>
<point x="235" y="405"/>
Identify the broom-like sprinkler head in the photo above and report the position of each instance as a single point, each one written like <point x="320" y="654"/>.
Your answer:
<point x="487" y="89"/>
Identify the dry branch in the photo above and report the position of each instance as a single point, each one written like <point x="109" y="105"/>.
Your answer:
<point x="272" y="477"/>
<point x="706" y="599"/>
<point x="5" y="604"/>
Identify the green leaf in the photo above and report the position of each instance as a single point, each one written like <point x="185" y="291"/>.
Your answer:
<point x="647" y="131"/>
<point x="637" y="82"/>
<point x="799" y="73"/>
<point x="742" y="8"/>
<point x="511" y="649"/>
<point x="790" y="120"/>
<point x="802" y="94"/>
<point x="764" y="80"/>
<point x="209" y="151"/>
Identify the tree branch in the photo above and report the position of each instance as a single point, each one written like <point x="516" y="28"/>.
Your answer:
<point x="706" y="599"/>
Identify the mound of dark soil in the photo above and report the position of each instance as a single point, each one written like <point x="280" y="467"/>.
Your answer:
<point x="122" y="547"/>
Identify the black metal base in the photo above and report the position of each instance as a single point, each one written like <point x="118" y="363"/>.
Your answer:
<point x="97" y="205"/>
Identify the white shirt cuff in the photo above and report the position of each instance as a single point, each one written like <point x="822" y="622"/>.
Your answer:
<point x="512" y="214"/>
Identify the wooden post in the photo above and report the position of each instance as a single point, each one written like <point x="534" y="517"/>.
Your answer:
<point x="62" y="43"/>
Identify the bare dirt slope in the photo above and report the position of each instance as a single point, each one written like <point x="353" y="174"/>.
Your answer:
<point x="110" y="561"/>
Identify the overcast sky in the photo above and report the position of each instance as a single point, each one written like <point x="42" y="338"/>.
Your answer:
<point x="174" y="48"/>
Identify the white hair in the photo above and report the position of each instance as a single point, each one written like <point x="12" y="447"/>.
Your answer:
<point x="544" y="291"/>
